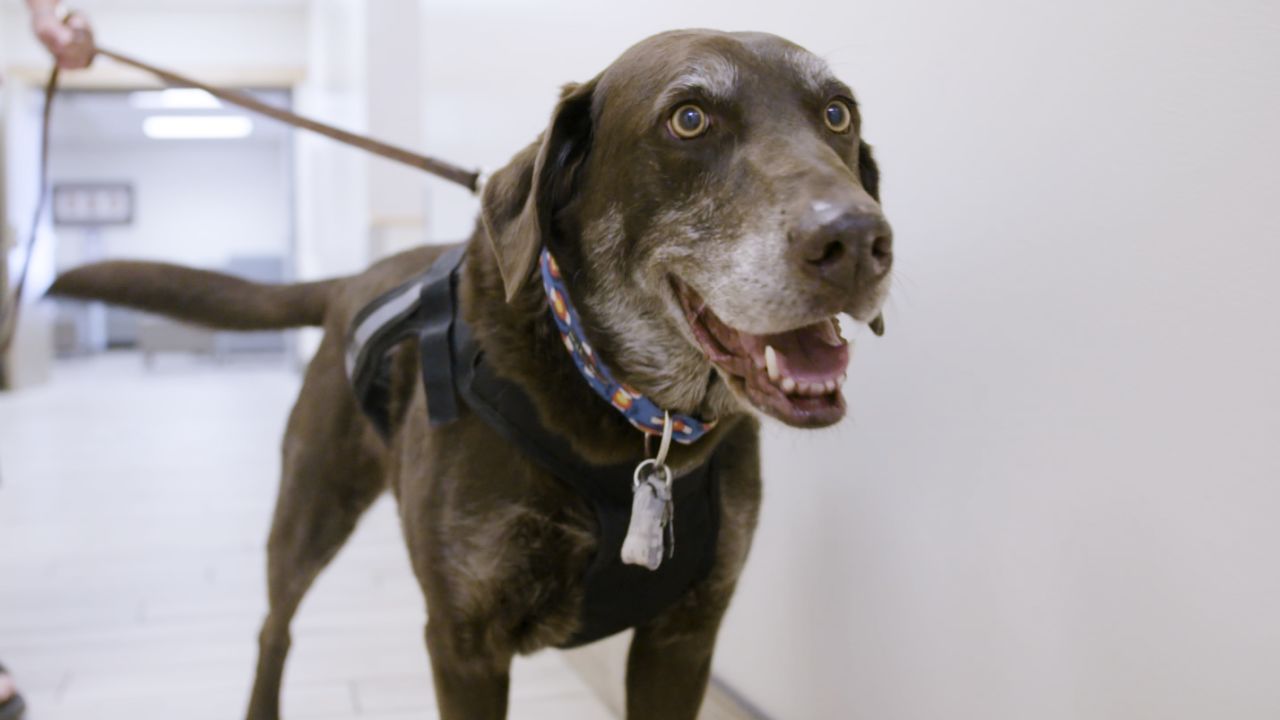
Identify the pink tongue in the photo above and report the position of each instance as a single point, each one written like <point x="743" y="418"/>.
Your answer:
<point x="815" y="352"/>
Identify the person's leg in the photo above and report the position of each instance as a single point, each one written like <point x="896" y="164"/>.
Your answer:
<point x="11" y="705"/>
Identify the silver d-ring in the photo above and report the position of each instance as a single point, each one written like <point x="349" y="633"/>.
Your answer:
<point x="651" y="462"/>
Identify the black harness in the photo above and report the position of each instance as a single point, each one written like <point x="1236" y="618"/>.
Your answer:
<point x="454" y="375"/>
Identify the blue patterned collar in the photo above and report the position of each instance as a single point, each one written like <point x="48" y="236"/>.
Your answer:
<point x="637" y="408"/>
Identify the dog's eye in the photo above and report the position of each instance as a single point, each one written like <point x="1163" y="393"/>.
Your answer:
<point x="838" y="116"/>
<point x="688" y="122"/>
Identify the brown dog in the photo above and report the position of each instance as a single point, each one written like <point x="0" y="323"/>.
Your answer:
<point x="713" y="208"/>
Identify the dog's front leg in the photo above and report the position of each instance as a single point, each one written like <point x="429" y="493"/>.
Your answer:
<point x="471" y="684"/>
<point x="670" y="659"/>
<point x="669" y="665"/>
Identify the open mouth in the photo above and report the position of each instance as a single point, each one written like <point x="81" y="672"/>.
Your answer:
<point x="796" y="376"/>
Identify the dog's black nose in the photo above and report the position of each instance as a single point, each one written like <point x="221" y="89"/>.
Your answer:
<point x="843" y="245"/>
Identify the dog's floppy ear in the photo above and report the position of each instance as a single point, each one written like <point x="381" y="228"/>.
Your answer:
<point x="868" y="171"/>
<point x="520" y="201"/>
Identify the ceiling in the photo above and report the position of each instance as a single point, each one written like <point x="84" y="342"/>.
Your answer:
<point x="94" y="117"/>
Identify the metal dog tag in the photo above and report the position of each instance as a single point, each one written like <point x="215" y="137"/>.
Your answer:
<point x="651" y="512"/>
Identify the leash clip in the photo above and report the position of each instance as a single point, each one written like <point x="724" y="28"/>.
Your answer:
<point x="651" y="532"/>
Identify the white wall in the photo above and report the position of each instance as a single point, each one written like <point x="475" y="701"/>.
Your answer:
<point x="195" y="203"/>
<point x="332" y="191"/>
<point x="1056" y="496"/>
<point x="397" y="193"/>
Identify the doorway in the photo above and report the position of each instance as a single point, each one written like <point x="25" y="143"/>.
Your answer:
<point x="170" y="175"/>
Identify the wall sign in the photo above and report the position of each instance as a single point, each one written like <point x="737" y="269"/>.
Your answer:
<point x="102" y="203"/>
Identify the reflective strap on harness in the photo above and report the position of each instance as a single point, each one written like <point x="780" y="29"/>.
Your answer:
<point x="421" y="307"/>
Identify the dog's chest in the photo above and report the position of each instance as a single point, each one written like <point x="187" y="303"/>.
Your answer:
<point x="538" y="554"/>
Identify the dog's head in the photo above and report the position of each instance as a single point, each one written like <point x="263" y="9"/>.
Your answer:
<point x="713" y="207"/>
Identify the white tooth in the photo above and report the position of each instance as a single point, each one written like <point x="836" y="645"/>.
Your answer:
<point x="834" y="338"/>
<point x="831" y="386"/>
<point x="804" y="388"/>
<point x="788" y="385"/>
<point x="771" y="363"/>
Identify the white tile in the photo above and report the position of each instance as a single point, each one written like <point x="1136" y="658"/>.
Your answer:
<point x="577" y="707"/>
<point x="396" y="694"/>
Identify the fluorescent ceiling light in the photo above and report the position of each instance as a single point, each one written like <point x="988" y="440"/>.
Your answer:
<point x="197" y="127"/>
<point x="174" y="99"/>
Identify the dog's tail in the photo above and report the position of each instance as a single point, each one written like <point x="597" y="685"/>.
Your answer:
<point x="198" y="296"/>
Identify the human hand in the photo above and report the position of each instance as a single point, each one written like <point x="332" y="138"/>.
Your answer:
<point x="70" y="42"/>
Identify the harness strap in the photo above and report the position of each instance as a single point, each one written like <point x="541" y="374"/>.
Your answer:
<point x="436" y="336"/>
<point x="422" y="307"/>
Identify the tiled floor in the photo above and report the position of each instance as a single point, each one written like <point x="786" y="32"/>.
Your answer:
<point x="134" y="508"/>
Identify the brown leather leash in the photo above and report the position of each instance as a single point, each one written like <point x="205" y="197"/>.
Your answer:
<point x="473" y="180"/>
<point x="466" y="178"/>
